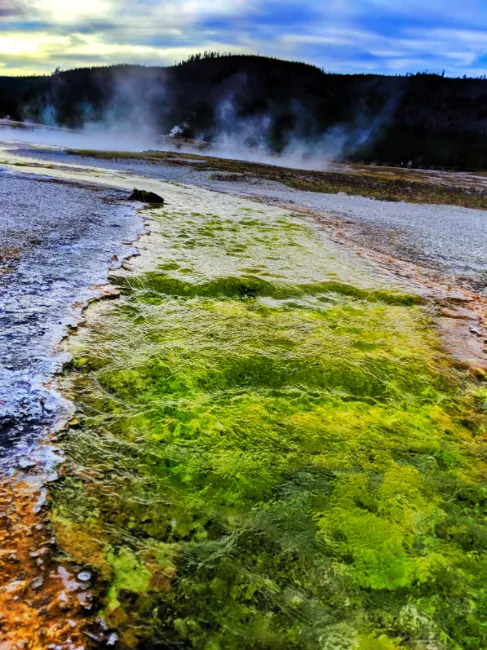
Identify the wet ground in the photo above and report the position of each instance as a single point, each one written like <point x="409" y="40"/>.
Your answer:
<point x="57" y="240"/>
<point x="450" y="239"/>
<point x="45" y="268"/>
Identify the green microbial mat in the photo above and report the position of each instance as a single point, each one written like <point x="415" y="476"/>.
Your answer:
<point x="271" y="450"/>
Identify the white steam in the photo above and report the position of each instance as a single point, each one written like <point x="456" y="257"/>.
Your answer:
<point x="131" y="122"/>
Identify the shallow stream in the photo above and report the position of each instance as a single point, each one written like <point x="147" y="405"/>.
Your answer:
<point x="448" y="238"/>
<point x="270" y="450"/>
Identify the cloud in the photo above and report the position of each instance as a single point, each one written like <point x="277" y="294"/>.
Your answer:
<point x="64" y="11"/>
<point x="339" y="35"/>
<point x="11" y="9"/>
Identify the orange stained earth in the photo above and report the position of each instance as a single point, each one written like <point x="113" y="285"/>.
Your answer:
<point x="43" y="604"/>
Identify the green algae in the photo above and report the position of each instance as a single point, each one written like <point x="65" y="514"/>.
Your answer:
<point x="246" y="285"/>
<point x="274" y="462"/>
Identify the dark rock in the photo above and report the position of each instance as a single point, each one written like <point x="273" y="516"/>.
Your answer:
<point x="146" y="197"/>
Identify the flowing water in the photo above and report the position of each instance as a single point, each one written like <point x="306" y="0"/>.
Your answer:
<point x="63" y="226"/>
<point x="270" y="448"/>
<point x="449" y="238"/>
<point x="58" y="238"/>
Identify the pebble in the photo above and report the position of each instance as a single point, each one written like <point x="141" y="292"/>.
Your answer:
<point x="25" y="463"/>
<point x="37" y="583"/>
<point x="84" y="576"/>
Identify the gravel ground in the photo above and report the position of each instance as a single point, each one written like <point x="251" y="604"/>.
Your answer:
<point x="56" y="241"/>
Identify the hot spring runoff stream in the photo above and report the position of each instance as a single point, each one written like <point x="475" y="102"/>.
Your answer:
<point x="267" y="444"/>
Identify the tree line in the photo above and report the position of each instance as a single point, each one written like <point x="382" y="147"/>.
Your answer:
<point x="425" y="118"/>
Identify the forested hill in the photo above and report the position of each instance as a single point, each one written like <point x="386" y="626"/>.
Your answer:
<point x="426" y="118"/>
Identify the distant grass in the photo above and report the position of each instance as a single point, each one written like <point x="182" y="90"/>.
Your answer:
<point x="366" y="181"/>
<point x="266" y="459"/>
<point x="14" y="164"/>
<point x="25" y="164"/>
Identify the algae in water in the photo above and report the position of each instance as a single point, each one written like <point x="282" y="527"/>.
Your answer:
<point x="272" y="452"/>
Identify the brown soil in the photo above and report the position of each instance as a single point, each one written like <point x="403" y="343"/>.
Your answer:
<point x="42" y="604"/>
<point x="9" y="257"/>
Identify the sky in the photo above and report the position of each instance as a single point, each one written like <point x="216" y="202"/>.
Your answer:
<point x="380" y="36"/>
